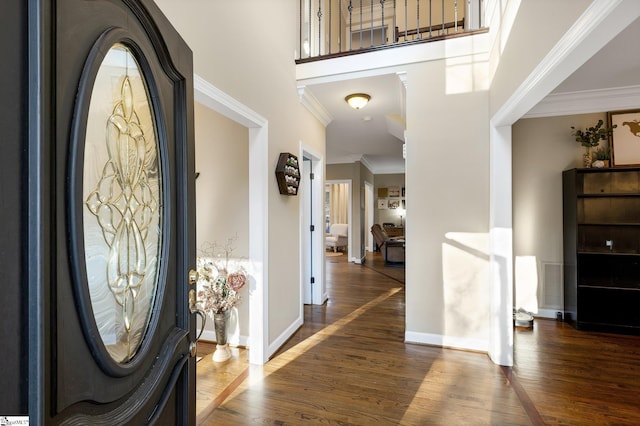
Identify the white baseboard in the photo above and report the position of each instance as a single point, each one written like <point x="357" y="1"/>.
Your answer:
<point x="281" y="340"/>
<point x="358" y="261"/>
<point x="547" y="313"/>
<point x="447" y="341"/>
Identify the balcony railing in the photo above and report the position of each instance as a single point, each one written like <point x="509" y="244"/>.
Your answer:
<point x="330" y="28"/>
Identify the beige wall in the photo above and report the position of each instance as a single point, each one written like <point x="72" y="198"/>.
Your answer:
<point x="259" y="72"/>
<point x="447" y="183"/>
<point x="385" y="181"/>
<point x="222" y="197"/>
<point x="542" y="149"/>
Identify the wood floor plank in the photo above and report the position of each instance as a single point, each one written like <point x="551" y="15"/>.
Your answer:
<point x="348" y="365"/>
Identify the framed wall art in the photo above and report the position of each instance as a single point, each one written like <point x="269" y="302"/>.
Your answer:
<point x="394" y="204"/>
<point x="625" y="139"/>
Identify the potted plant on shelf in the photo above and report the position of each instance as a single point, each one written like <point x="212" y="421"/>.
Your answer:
<point x="220" y="278"/>
<point x="591" y="137"/>
<point x="602" y="157"/>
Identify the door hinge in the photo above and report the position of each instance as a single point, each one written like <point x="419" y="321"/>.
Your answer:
<point x="312" y="228"/>
<point x="313" y="280"/>
<point x="312" y="176"/>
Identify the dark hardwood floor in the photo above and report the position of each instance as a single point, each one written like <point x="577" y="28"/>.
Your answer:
<point x="348" y="365"/>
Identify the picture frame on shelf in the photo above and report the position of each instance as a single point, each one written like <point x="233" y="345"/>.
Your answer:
<point x="382" y="204"/>
<point x="625" y="138"/>
<point x="394" y="204"/>
<point x="394" y="191"/>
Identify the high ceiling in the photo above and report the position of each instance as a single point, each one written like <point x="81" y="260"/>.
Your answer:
<point x="374" y="133"/>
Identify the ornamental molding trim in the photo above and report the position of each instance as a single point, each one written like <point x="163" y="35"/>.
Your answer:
<point x="586" y="102"/>
<point x="314" y="106"/>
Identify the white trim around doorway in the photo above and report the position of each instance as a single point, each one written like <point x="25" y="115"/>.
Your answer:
<point x="216" y="100"/>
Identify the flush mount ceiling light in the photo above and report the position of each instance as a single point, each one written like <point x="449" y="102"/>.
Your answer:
<point x="358" y="100"/>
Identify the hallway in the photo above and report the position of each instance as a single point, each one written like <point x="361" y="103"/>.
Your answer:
<point x="348" y="365"/>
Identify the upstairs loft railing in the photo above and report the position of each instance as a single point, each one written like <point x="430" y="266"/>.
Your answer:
<point x="331" y="28"/>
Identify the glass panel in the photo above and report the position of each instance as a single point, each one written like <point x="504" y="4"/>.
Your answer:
<point x="123" y="204"/>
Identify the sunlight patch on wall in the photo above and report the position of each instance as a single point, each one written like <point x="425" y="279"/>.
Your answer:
<point x="526" y="283"/>
<point x="500" y="15"/>
<point x="467" y="74"/>
<point x="465" y="270"/>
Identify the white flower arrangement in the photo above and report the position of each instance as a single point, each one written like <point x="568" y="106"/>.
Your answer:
<point x="218" y="285"/>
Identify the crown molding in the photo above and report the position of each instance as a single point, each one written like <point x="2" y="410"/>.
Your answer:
<point x="402" y="76"/>
<point x="314" y="106"/>
<point x="367" y="164"/>
<point x="217" y="100"/>
<point x="587" y="101"/>
<point x="592" y="28"/>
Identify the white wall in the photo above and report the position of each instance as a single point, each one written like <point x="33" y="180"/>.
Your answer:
<point x="542" y="149"/>
<point x="222" y="199"/>
<point x="449" y="104"/>
<point x="522" y="34"/>
<point x="246" y="49"/>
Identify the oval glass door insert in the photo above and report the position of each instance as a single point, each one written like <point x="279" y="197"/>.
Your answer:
<point x="122" y="214"/>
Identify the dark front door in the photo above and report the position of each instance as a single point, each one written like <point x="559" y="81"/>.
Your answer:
<point x="116" y="185"/>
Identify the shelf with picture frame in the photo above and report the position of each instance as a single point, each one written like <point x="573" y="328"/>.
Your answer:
<point x="391" y="205"/>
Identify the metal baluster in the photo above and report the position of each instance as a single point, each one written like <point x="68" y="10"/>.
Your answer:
<point x="442" y="17"/>
<point x="360" y="24"/>
<point x="330" y="1"/>
<point x="430" y="18"/>
<point x="309" y="31"/>
<point x="395" y="22"/>
<point x="371" y="24"/>
<point x="340" y="26"/>
<point x="406" y="20"/>
<point x="382" y="6"/>
<point x="320" y="27"/>
<point x="300" y="32"/>
<point x="418" y="20"/>
<point x="350" y="8"/>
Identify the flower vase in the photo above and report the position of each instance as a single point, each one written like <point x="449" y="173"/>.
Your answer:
<point x="586" y="158"/>
<point x="222" y="352"/>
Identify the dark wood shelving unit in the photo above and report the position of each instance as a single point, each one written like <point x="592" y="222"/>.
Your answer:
<point x="601" y="209"/>
<point x="288" y="174"/>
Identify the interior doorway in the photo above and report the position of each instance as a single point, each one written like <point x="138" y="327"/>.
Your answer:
<point x="369" y="215"/>
<point x="312" y="229"/>
<point x="220" y="229"/>
<point x="338" y="211"/>
<point x="258" y="153"/>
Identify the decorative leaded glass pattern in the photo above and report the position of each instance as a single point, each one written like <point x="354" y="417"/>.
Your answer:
<point x="123" y="204"/>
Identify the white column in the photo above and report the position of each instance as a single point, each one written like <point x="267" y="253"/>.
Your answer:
<point x="501" y="246"/>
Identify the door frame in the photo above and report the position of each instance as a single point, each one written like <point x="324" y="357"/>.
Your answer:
<point x="349" y="183"/>
<point x="312" y="251"/>
<point x="218" y="101"/>
<point x="369" y="219"/>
